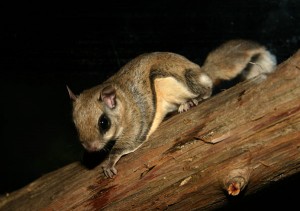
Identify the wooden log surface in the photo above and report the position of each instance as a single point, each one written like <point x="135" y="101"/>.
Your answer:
<point x="238" y="141"/>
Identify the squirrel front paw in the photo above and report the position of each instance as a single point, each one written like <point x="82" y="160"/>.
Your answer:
<point x="109" y="172"/>
<point x="109" y="169"/>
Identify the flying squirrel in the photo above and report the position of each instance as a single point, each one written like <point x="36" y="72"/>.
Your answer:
<point x="129" y="106"/>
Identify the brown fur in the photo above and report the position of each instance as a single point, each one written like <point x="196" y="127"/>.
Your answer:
<point x="137" y="98"/>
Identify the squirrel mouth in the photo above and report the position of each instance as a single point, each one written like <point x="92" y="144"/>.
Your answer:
<point x="108" y="146"/>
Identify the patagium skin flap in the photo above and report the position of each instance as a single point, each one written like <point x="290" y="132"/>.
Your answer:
<point x="129" y="106"/>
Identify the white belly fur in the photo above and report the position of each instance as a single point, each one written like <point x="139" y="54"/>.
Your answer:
<point x="170" y="94"/>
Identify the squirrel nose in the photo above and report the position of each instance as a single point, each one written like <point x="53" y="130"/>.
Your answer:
<point x="92" y="146"/>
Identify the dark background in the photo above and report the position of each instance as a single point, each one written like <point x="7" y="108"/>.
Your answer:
<point x="46" y="47"/>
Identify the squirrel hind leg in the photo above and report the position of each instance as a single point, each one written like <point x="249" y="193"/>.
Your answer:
<point x="187" y="105"/>
<point x="200" y="84"/>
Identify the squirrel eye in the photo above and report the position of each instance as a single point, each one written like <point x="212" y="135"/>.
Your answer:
<point x="103" y="123"/>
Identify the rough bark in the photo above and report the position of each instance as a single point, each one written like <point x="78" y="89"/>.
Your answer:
<point x="238" y="141"/>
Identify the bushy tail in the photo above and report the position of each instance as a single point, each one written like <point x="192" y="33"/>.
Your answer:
<point x="238" y="57"/>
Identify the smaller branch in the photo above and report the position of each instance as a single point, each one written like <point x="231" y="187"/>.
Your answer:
<point x="236" y="181"/>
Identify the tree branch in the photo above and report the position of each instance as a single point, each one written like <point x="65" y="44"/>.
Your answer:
<point x="238" y="141"/>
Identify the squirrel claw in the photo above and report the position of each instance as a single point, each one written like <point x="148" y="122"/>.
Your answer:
<point x="187" y="105"/>
<point x="110" y="172"/>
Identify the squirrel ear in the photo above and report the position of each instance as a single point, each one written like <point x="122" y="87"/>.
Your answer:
<point x="71" y="94"/>
<point x="108" y="96"/>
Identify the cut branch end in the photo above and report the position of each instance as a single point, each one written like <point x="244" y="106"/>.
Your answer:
<point x="236" y="181"/>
